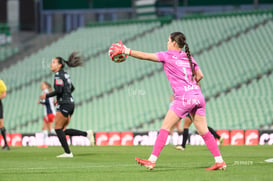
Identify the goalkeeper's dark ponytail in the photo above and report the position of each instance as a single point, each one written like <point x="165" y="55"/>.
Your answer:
<point x="74" y="60"/>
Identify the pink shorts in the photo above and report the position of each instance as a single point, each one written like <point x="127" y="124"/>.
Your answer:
<point x="192" y="104"/>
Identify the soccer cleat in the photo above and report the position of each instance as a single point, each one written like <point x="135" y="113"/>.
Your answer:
<point x="90" y="136"/>
<point x="178" y="147"/>
<point x="270" y="160"/>
<point x="65" y="155"/>
<point x="5" y="148"/>
<point x="218" y="166"/>
<point x="147" y="163"/>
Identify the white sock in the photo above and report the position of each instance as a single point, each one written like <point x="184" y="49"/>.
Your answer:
<point x="171" y="140"/>
<point x="45" y="136"/>
<point x="153" y="158"/>
<point x="52" y="131"/>
<point x="218" y="159"/>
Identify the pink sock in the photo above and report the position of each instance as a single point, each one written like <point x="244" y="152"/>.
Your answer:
<point x="160" y="142"/>
<point x="211" y="144"/>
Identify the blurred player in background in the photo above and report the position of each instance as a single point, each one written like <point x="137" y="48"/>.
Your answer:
<point x="49" y="112"/>
<point x="63" y="89"/>
<point x="183" y="74"/>
<point x="3" y="93"/>
<point x="187" y="123"/>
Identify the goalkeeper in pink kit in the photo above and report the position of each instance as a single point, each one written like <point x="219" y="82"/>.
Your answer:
<point x="183" y="74"/>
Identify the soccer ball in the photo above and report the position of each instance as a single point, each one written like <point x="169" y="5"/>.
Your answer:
<point x="118" y="58"/>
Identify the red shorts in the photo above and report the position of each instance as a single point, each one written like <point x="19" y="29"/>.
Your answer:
<point x="49" y="118"/>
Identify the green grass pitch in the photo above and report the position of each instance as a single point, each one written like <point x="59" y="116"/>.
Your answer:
<point x="117" y="163"/>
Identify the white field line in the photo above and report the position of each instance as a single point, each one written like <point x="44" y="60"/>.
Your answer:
<point x="57" y="168"/>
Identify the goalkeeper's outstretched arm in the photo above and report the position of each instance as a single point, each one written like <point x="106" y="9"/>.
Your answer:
<point x="144" y="55"/>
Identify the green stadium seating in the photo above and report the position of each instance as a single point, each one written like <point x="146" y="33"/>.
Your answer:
<point x="241" y="57"/>
<point x="88" y="41"/>
<point x="246" y="108"/>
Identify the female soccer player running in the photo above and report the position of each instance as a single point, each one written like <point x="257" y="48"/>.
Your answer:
<point x="49" y="112"/>
<point x="50" y="115"/>
<point x="183" y="74"/>
<point x="63" y="89"/>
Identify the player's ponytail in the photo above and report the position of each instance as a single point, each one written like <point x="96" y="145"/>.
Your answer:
<point x="180" y="40"/>
<point x="187" y="50"/>
<point x="74" y="60"/>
